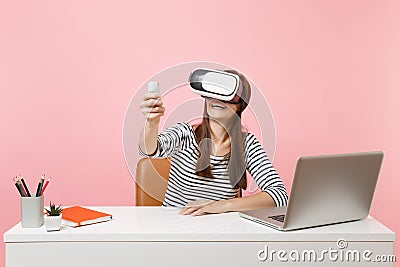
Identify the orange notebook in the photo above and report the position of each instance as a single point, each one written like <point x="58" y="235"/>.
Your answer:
<point x="78" y="216"/>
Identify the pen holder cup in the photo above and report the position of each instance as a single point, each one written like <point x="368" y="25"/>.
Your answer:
<point x="32" y="211"/>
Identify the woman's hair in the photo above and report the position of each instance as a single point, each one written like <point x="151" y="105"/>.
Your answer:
<point x="236" y="161"/>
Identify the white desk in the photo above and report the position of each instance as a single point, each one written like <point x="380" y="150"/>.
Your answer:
<point x="156" y="236"/>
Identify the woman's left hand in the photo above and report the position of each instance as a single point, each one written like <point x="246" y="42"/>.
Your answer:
<point x="202" y="207"/>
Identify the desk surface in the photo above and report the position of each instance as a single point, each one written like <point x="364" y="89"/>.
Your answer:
<point x="165" y="224"/>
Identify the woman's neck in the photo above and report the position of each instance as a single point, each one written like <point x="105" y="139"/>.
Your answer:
<point x="219" y="135"/>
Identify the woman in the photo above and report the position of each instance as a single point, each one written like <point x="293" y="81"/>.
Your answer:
<point x="209" y="160"/>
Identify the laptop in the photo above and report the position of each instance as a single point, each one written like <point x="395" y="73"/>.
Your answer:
<point x="326" y="190"/>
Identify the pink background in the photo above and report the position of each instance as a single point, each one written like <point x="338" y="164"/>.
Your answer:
<point x="68" y="69"/>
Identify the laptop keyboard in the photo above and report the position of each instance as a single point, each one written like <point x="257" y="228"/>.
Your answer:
<point x="279" y="218"/>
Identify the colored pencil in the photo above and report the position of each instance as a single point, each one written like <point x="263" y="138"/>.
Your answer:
<point x="18" y="187"/>
<point x="39" y="187"/>
<point x="26" y="188"/>
<point x="45" y="185"/>
<point x="22" y="187"/>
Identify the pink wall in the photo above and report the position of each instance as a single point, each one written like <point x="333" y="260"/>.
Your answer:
<point x="68" y="69"/>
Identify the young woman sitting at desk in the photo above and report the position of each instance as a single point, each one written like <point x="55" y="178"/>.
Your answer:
<point x="209" y="160"/>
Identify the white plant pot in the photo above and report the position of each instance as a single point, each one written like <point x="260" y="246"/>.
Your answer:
<point x="52" y="223"/>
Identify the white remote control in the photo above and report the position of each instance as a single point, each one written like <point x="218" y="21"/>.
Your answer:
<point x="152" y="87"/>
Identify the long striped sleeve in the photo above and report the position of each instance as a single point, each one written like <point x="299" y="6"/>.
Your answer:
<point x="262" y="171"/>
<point x="169" y="142"/>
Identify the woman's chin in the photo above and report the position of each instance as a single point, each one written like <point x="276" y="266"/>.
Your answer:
<point x="220" y="117"/>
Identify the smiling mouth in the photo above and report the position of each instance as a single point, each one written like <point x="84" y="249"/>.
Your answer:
<point x="216" y="106"/>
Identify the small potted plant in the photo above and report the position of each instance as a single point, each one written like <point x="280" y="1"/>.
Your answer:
<point x="53" y="218"/>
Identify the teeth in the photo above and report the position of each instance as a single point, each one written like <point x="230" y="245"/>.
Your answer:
<point x="216" y="106"/>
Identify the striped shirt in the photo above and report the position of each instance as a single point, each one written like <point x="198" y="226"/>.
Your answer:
<point x="179" y="143"/>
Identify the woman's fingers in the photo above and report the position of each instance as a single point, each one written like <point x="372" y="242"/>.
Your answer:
<point x="151" y="103"/>
<point x="198" y="207"/>
<point x="194" y="211"/>
<point x="152" y="106"/>
<point x="151" y="96"/>
<point x="188" y="210"/>
<point x="205" y="207"/>
<point x="146" y="110"/>
<point x="153" y="114"/>
<point x="200" y="211"/>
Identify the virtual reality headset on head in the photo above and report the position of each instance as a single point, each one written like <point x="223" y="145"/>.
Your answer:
<point x="216" y="84"/>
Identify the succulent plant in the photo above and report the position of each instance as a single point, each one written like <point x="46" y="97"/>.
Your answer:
<point x="54" y="211"/>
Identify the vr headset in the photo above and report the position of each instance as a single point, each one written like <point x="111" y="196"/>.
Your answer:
<point x="216" y="84"/>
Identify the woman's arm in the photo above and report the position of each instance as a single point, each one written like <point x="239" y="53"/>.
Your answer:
<point x="148" y="138"/>
<point x="263" y="172"/>
<point x="256" y="201"/>
<point x="152" y="108"/>
<point x="273" y="190"/>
